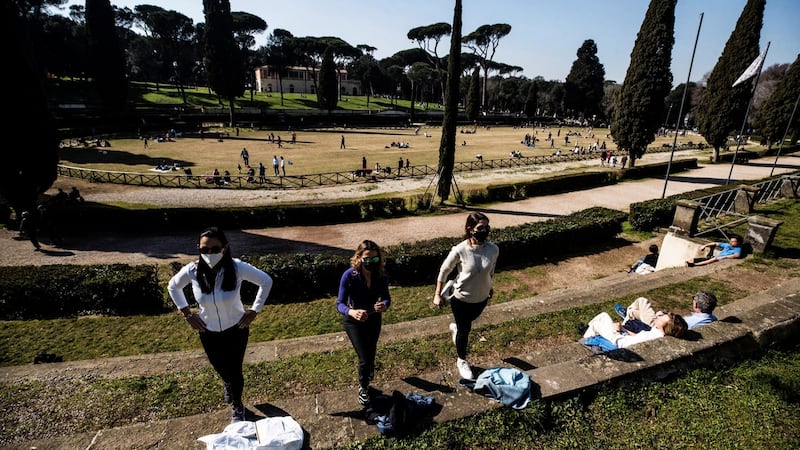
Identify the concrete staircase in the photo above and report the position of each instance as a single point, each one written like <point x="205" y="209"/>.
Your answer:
<point x="747" y="325"/>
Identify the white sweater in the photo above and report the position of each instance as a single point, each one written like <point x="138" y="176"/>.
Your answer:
<point x="475" y="266"/>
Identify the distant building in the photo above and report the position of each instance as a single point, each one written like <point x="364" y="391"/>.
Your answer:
<point x="299" y="80"/>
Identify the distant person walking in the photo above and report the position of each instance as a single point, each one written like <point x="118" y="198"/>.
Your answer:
<point x="275" y="165"/>
<point x="262" y="173"/>
<point x="245" y="157"/>
<point x="283" y="165"/>
<point x="364" y="163"/>
<point x="341" y="145"/>
<point x="29" y="226"/>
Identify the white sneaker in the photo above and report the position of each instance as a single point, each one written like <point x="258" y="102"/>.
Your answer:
<point x="453" y="331"/>
<point x="464" y="369"/>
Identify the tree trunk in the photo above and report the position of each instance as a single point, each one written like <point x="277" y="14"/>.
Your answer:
<point x="280" y="87"/>
<point x="715" y="154"/>
<point x="232" y="102"/>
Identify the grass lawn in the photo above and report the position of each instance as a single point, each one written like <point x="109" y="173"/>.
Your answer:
<point x="318" y="151"/>
<point x="90" y="404"/>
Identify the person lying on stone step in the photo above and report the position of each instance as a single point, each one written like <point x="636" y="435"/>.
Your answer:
<point x="732" y="250"/>
<point x="647" y="263"/>
<point x="703" y="304"/>
<point x="641" y="323"/>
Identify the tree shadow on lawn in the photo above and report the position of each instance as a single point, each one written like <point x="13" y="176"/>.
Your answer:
<point x="183" y="245"/>
<point x="92" y="155"/>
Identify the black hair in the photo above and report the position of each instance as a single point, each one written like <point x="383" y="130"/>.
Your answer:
<point x="206" y="276"/>
<point x="472" y="220"/>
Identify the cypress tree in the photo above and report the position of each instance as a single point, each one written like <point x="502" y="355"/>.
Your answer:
<point x="29" y="169"/>
<point x="722" y="108"/>
<point x="106" y="57"/>
<point x="474" y="95"/>
<point x="531" y="101"/>
<point x="778" y="108"/>
<point x="327" y="96"/>
<point x="224" y="62"/>
<point x="583" y="88"/>
<point x="447" y="146"/>
<point x="639" y="107"/>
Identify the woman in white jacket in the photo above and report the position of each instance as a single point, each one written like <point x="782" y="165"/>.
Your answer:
<point x="222" y="321"/>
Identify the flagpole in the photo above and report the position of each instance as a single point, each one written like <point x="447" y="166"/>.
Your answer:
<point x="680" y="110"/>
<point x="783" y="139"/>
<point x="747" y="113"/>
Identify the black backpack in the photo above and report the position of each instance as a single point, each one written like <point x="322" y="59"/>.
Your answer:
<point x="389" y="414"/>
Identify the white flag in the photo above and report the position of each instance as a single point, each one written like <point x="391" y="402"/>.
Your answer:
<point x="754" y="68"/>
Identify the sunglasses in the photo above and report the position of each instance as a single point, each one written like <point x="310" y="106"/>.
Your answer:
<point x="373" y="259"/>
<point x="210" y="250"/>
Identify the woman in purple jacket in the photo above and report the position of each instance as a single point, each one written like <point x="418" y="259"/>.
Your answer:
<point x="363" y="297"/>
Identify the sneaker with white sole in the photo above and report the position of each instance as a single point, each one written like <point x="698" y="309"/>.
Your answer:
<point x="363" y="396"/>
<point x="463" y="369"/>
<point x="453" y="331"/>
<point x="621" y="311"/>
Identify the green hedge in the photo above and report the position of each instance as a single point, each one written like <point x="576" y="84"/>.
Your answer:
<point x="101" y="217"/>
<point x="89" y="217"/>
<point x="304" y="276"/>
<point x="571" y="182"/>
<point x="54" y="291"/>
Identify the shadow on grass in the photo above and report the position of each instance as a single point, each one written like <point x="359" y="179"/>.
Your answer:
<point x="91" y="155"/>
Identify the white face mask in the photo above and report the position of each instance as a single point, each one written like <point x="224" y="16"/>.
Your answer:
<point x="212" y="259"/>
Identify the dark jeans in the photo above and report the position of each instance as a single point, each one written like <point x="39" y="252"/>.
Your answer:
<point x="464" y="313"/>
<point x="225" y="351"/>
<point x="364" y="337"/>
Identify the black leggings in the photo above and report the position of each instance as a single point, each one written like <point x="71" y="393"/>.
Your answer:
<point x="464" y="313"/>
<point x="364" y="337"/>
<point x="225" y="351"/>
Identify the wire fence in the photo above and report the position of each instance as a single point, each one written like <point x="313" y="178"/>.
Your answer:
<point x="182" y="178"/>
<point x="719" y="211"/>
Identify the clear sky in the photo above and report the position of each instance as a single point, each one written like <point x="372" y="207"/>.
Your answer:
<point x="545" y="34"/>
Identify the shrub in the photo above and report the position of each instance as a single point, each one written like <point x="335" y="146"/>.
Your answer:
<point x="54" y="291"/>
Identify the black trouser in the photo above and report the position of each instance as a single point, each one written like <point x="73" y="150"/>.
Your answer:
<point x="464" y="313"/>
<point x="225" y="351"/>
<point x="364" y="337"/>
